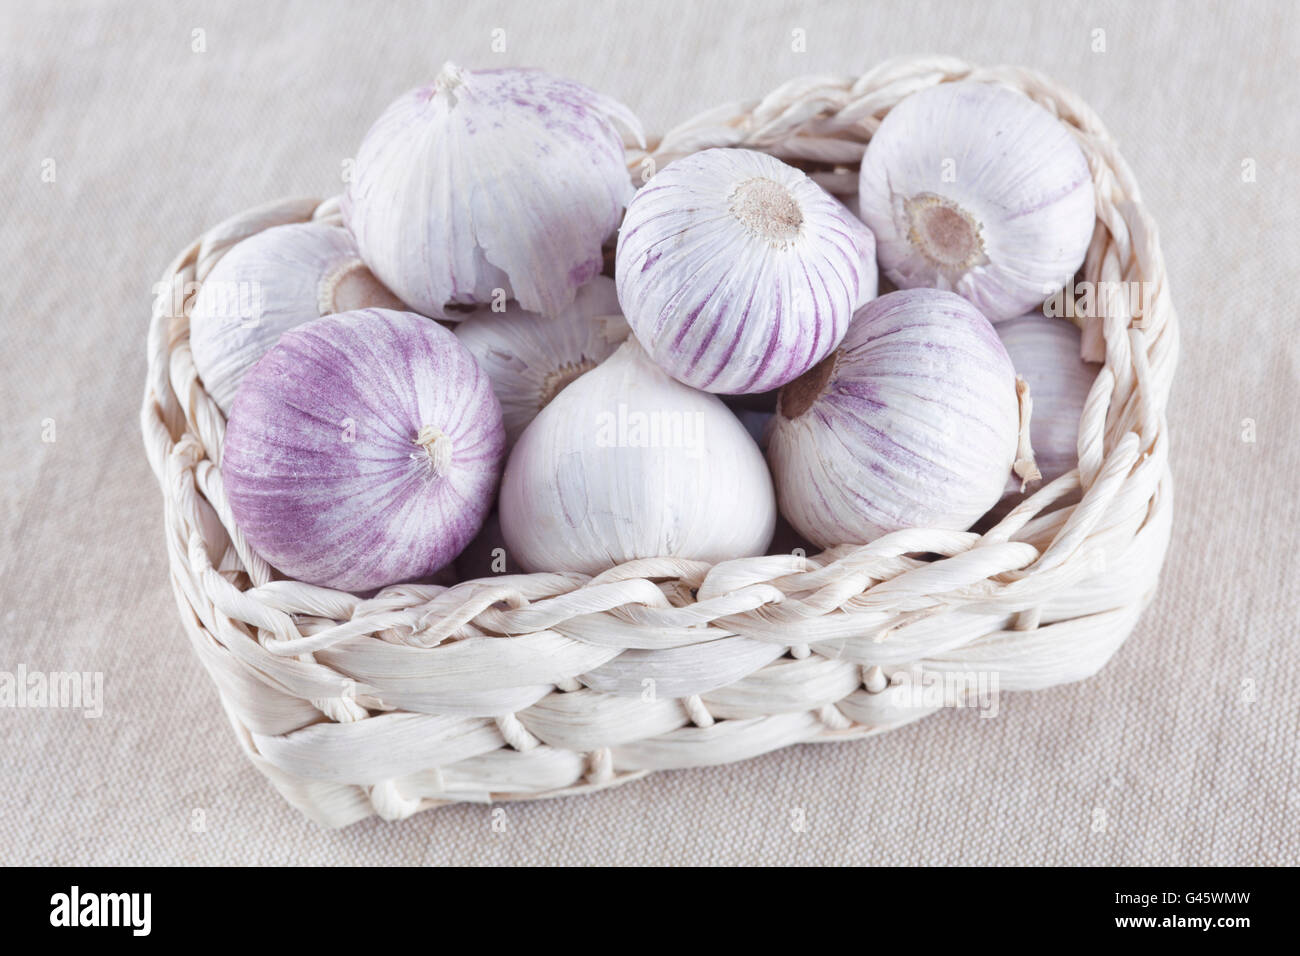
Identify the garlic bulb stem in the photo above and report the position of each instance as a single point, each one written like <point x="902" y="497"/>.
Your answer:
<point x="437" y="446"/>
<point x="1026" y="468"/>
<point x="449" y="79"/>
<point x="1045" y="353"/>
<point x="800" y="395"/>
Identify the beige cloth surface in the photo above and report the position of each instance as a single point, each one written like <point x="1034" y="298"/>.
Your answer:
<point x="1183" y="750"/>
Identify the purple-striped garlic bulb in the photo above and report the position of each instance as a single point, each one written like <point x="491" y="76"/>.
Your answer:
<point x="530" y="358"/>
<point x="490" y="180"/>
<point x="913" y="422"/>
<point x="363" y="450"/>
<point x="975" y="188"/>
<point x="268" y="284"/>
<point x="738" y="273"/>
<point x="1046" y="354"/>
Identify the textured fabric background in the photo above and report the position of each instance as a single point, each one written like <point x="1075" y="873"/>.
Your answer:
<point x="1183" y="750"/>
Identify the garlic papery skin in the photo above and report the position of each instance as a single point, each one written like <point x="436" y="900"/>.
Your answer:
<point x="1046" y="354"/>
<point x="491" y="180"/>
<point x="976" y="189"/>
<point x="265" y="286"/>
<point x="738" y="273"/>
<point x="628" y="463"/>
<point x="911" y="423"/>
<point x="530" y="358"/>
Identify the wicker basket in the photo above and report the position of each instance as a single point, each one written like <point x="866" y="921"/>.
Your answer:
<point x="525" y="686"/>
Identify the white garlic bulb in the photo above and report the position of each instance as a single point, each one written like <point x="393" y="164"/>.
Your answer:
<point x="529" y="358"/>
<point x="977" y="189"/>
<point x="912" y="422"/>
<point x="267" y="285"/>
<point x="628" y="463"/>
<point x="738" y="273"/>
<point x="1046" y="354"/>
<point x="496" y="179"/>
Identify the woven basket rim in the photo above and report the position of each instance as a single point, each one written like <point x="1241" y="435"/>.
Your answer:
<point x="301" y="668"/>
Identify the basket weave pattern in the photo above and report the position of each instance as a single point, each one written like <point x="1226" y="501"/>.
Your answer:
<point x="523" y="686"/>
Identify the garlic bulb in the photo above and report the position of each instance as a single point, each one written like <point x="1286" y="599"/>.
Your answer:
<point x="912" y="422"/>
<point x="738" y="273"/>
<point x="627" y="463"/>
<point x="363" y="450"/>
<point x="977" y="189"/>
<point x="1045" y="353"/>
<point x="268" y="284"/>
<point x="497" y="179"/>
<point x="529" y="358"/>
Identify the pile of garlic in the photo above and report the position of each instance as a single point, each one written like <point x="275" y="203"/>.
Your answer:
<point x="735" y="370"/>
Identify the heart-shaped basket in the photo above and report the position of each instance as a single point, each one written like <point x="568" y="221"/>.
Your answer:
<point x="525" y="686"/>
